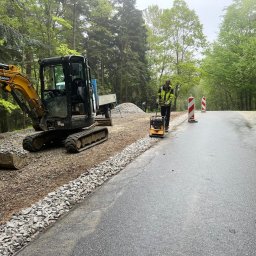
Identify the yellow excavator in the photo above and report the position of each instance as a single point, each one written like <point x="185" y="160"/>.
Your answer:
<point x="67" y="107"/>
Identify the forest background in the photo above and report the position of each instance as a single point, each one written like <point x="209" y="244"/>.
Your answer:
<point x="133" y="52"/>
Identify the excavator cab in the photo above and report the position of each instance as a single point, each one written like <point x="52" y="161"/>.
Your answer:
<point x="66" y="92"/>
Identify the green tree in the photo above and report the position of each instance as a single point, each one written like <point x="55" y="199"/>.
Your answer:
<point x="99" y="42"/>
<point x="230" y="64"/>
<point x="5" y="109"/>
<point x="130" y="40"/>
<point x="12" y="40"/>
<point x="156" y="52"/>
<point x="177" y="41"/>
<point x="111" y="33"/>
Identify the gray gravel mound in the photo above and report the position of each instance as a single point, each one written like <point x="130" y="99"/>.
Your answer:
<point x="127" y="108"/>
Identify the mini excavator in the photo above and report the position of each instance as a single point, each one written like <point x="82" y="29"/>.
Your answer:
<point x="66" y="109"/>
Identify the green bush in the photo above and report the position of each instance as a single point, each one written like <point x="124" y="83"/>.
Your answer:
<point x="11" y="117"/>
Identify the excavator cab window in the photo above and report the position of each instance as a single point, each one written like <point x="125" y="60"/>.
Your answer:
<point x="54" y="94"/>
<point x="54" y="78"/>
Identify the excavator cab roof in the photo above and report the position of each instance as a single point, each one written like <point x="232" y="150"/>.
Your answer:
<point x="63" y="59"/>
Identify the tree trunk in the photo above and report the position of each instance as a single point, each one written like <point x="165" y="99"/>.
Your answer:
<point x="28" y="62"/>
<point x="74" y="26"/>
<point x="176" y="94"/>
<point x="4" y="95"/>
<point x="232" y="104"/>
<point x="227" y="107"/>
<point x="4" y="120"/>
<point x="246" y="99"/>
<point x="121" y="78"/>
<point x="24" y="120"/>
<point x="250" y="100"/>
<point x="241" y="101"/>
<point x="36" y="79"/>
<point x="102" y="73"/>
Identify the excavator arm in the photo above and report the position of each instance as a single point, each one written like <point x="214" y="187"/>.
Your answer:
<point x="12" y="81"/>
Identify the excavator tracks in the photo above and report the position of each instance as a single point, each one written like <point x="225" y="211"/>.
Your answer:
<point x="83" y="140"/>
<point x="74" y="141"/>
<point x="34" y="143"/>
<point x="41" y="140"/>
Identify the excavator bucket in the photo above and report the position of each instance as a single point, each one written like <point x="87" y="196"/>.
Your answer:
<point x="9" y="160"/>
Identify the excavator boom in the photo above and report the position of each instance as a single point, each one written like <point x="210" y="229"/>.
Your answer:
<point x="12" y="81"/>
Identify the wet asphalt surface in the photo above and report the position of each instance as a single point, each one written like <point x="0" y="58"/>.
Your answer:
<point x="194" y="193"/>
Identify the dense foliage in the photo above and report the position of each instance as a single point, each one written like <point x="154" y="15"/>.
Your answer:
<point x="132" y="53"/>
<point x="11" y="117"/>
<point x="230" y="65"/>
<point x="112" y="34"/>
<point x="175" y="41"/>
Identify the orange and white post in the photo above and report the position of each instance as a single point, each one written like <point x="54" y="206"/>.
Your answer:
<point x="203" y="105"/>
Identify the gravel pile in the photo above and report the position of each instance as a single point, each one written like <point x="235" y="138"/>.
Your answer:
<point x="128" y="108"/>
<point x="27" y="224"/>
<point x="12" y="143"/>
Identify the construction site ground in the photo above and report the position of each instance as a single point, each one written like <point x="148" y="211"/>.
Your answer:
<point x="52" y="168"/>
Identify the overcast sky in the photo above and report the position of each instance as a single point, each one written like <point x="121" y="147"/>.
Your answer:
<point x="208" y="11"/>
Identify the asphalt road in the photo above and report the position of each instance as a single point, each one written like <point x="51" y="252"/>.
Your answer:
<point x="194" y="193"/>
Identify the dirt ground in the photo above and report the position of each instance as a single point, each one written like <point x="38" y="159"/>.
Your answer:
<point x="52" y="168"/>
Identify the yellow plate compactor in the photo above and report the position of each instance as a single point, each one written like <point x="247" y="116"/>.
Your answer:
<point x="157" y="126"/>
